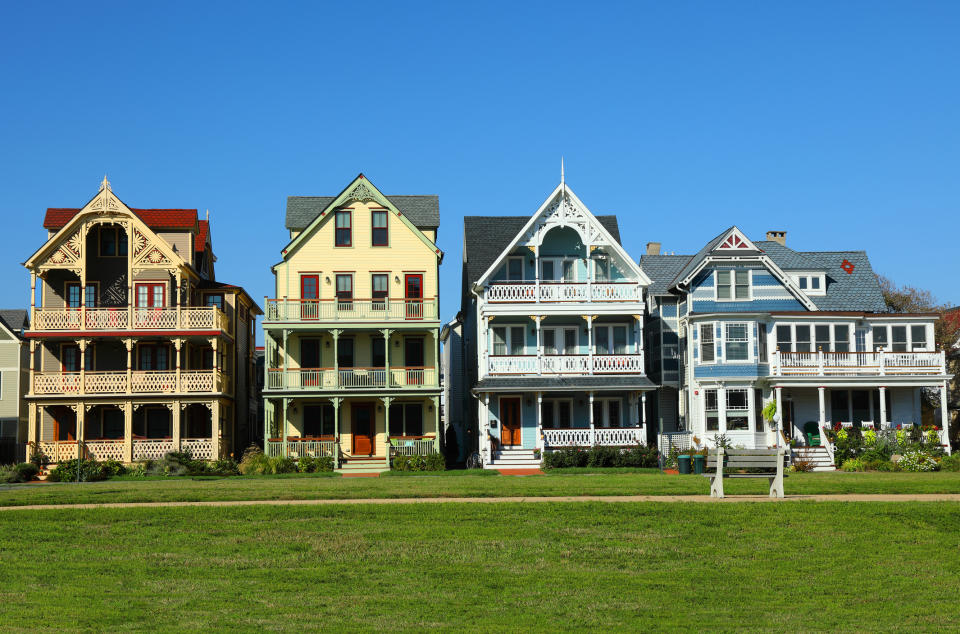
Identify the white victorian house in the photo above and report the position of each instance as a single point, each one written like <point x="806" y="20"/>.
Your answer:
<point x="553" y="332"/>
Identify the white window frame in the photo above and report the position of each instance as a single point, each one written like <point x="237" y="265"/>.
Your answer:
<point x="851" y="339"/>
<point x="732" y="285"/>
<point x="506" y="268"/>
<point x="928" y="337"/>
<point x="807" y="277"/>
<point x="749" y="342"/>
<point x="508" y="339"/>
<point x="559" y="339"/>
<point x="555" y="402"/>
<point x="713" y="333"/>
<point x="748" y="411"/>
<point x="596" y="259"/>
<point x="610" y="328"/>
<point x="558" y="262"/>
<point x="604" y="403"/>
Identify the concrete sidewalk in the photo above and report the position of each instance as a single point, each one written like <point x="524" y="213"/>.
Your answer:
<point x="853" y="497"/>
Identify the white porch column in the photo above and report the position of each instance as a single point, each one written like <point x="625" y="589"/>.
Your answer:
<point x="33" y="361"/>
<point x="485" y="429"/>
<point x="283" y="424"/>
<point x="386" y="363"/>
<point x="944" y="416"/>
<point x="178" y="276"/>
<point x="128" y="344"/>
<point x="593" y="430"/>
<point x="32" y="421"/>
<point x="539" y="348"/>
<point x="778" y="392"/>
<point x="177" y="344"/>
<point x="33" y="299"/>
<point x="883" y="405"/>
<point x="175" y="424"/>
<point x="540" y="443"/>
<point x="336" y="354"/>
<point x="821" y="395"/>
<point x="336" y="425"/>
<point x="128" y="431"/>
<point x="82" y="344"/>
<point x="590" y="343"/>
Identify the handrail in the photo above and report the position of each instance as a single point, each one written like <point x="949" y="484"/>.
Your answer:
<point x="826" y="444"/>
<point x="349" y="299"/>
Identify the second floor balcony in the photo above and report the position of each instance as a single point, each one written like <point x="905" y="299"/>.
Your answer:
<point x="565" y="364"/>
<point x="539" y="291"/>
<point x="880" y="363"/>
<point x="348" y="310"/>
<point x="322" y="379"/>
<point x="130" y="318"/>
<point x="95" y="383"/>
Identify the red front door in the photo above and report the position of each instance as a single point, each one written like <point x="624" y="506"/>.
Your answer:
<point x="362" y="429"/>
<point x="413" y="293"/>
<point x="309" y="296"/>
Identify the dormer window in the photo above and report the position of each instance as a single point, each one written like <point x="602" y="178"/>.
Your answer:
<point x="733" y="285"/>
<point x="810" y="283"/>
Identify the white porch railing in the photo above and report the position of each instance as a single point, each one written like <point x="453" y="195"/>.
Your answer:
<point x="302" y="448"/>
<point x="586" y="437"/>
<point x="412" y="445"/>
<point x="104" y="449"/>
<point x="198" y="448"/>
<point x="565" y="364"/>
<point x="330" y="379"/>
<point x="141" y="382"/>
<point x="547" y="292"/>
<point x="679" y="440"/>
<point x="151" y="448"/>
<point x="314" y="310"/>
<point x="129" y="317"/>
<point x="58" y="451"/>
<point x="857" y="363"/>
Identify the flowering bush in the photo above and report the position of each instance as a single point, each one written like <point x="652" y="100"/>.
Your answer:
<point x="869" y="437"/>
<point x="916" y="460"/>
<point x="901" y="437"/>
<point x="933" y="436"/>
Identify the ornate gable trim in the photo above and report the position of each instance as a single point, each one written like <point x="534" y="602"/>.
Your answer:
<point x="735" y="241"/>
<point x="363" y="191"/>
<point x="563" y="208"/>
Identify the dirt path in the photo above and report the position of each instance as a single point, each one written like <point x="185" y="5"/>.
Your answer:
<point x="852" y="497"/>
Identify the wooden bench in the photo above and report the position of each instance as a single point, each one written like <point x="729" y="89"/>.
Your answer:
<point x="771" y="459"/>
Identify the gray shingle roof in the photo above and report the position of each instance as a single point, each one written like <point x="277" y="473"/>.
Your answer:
<point x="14" y="319"/>
<point x="550" y="383"/>
<point x="422" y="211"/>
<point x="486" y="237"/>
<point x="859" y="290"/>
<point x="661" y="269"/>
<point x="695" y="260"/>
<point x="786" y="258"/>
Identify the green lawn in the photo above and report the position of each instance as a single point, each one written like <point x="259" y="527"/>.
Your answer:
<point x="559" y="566"/>
<point x="463" y="484"/>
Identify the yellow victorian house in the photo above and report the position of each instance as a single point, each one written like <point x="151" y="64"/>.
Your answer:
<point x="352" y="334"/>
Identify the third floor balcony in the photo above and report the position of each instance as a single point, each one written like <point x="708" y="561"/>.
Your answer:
<point x="541" y="292"/>
<point x="130" y="318"/>
<point x="879" y="363"/>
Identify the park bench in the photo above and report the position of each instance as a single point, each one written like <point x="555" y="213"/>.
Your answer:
<point x="722" y="460"/>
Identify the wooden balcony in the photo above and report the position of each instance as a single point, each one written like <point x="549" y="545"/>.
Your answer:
<point x="201" y="319"/>
<point x="566" y="364"/>
<point x="857" y="363"/>
<point x="539" y="292"/>
<point x="138" y="382"/>
<point x="313" y="311"/>
<point x="318" y="379"/>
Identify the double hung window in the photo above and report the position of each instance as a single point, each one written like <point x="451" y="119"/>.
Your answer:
<point x="508" y="339"/>
<point x="380" y="237"/>
<point x="379" y="284"/>
<point x="733" y="285"/>
<point x="711" y="410"/>
<point x="737" y="342"/>
<point x="707" y="345"/>
<point x="344" y="229"/>
<point x="738" y="409"/>
<point x="345" y="291"/>
<point x="610" y="339"/>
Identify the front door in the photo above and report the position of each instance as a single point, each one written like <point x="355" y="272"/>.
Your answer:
<point x="413" y="294"/>
<point x="362" y="429"/>
<point x="510" y="425"/>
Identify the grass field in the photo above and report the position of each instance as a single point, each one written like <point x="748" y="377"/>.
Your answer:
<point x="555" y="566"/>
<point x="294" y="487"/>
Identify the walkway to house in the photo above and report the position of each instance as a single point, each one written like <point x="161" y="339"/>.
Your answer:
<point x="848" y="497"/>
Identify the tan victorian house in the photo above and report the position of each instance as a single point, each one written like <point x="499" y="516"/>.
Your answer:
<point x="135" y="349"/>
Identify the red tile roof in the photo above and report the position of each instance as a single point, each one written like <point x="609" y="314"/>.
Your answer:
<point x="57" y="217"/>
<point x="201" y="241"/>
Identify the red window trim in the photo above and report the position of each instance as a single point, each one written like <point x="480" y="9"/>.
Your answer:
<point x="151" y="285"/>
<point x="336" y="289"/>
<point x="314" y="277"/>
<point x="349" y="228"/>
<point x="406" y="286"/>
<point x="373" y="228"/>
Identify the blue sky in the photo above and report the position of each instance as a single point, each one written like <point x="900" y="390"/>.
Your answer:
<point x="835" y="121"/>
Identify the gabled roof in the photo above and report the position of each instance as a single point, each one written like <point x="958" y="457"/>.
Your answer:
<point x="858" y="290"/>
<point x="695" y="260"/>
<point x="200" y="244"/>
<point x="14" y="320"/>
<point x="422" y="211"/>
<point x="788" y="259"/>
<point x="661" y="269"/>
<point x="58" y="217"/>
<point x="486" y="237"/>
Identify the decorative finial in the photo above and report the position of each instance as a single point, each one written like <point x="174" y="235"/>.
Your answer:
<point x="105" y="184"/>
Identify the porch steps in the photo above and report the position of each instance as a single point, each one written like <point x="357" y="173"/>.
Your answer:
<point x="816" y="455"/>
<point x="352" y="466"/>
<point x="514" y="459"/>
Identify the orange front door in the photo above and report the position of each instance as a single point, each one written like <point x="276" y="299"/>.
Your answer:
<point x="363" y="430"/>
<point x="510" y="432"/>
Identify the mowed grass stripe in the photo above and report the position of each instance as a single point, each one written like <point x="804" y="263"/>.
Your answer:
<point x="802" y="566"/>
<point x="309" y="487"/>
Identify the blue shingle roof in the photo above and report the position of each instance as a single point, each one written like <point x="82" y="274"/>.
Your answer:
<point x="661" y="269"/>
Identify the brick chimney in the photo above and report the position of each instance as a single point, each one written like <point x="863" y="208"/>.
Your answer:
<point x="653" y="248"/>
<point x="777" y="236"/>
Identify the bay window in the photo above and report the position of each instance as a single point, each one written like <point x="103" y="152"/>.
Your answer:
<point x="711" y="410"/>
<point x="738" y="409"/>
<point x="736" y="342"/>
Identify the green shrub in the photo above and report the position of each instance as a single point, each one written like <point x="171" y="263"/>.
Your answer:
<point x="113" y="468"/>
<point x="435" y="462"/>
<point x="430" y="462"/>
<point x="66" y="471"/>
<point x="877" y="465"/>
<point x="951" y="462"/>
<point x="602" y="457"/>
<point x="10" y="475"/>
<point x="27" y="470"/>
<point x="254" y="462"/>
<point x="310" y="464"/>
<point x="282" y="464"/>
<point x="223" y="467"/>
<point x="853" y="464"/>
